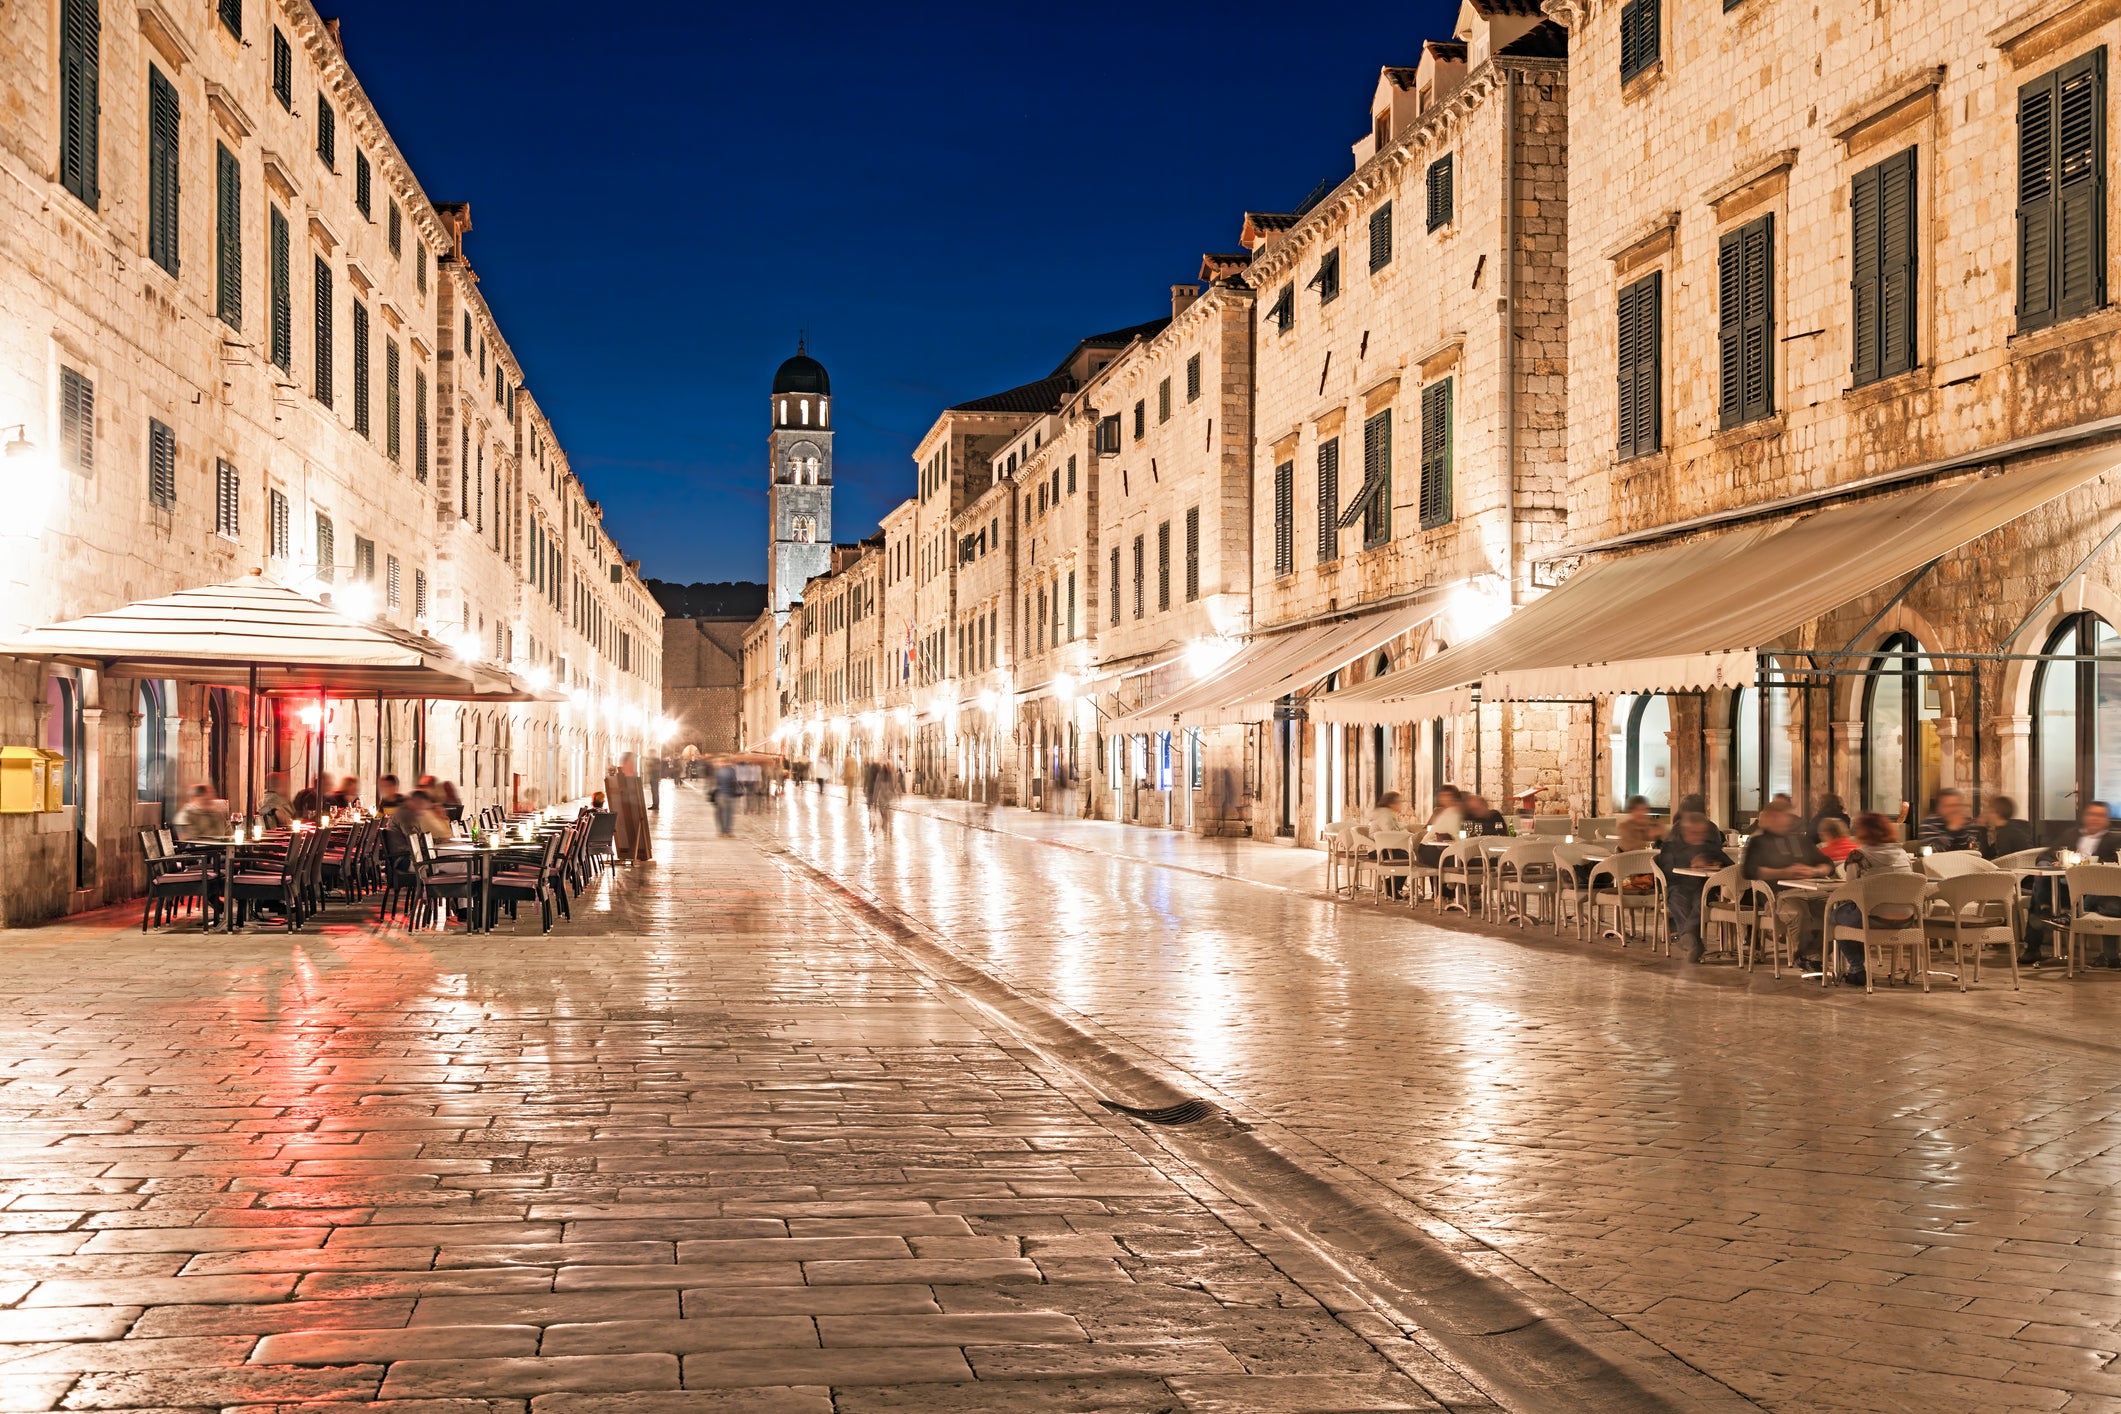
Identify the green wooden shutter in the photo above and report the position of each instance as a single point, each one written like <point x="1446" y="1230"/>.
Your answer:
<point x="396" y="229"/>
<point x="360" y="368"/>
<point x="1192" y="380"/>
<point x="363" y="194"/>
<point x="1729" y="343"/>
<point x="327" y="134"/>
<point x="228" y="237"/>
<point x="162" y="146"/>
<point x="2080" y="186"/>
<point x="419" y="423"/>
<point x="1436" y="455"/>
<point x="393" y="442"/>
<point x="1758" y="331"/>
<point x="1638" y="37"/>
<point x="232" y="16"/>
<point x="1441" y="199"/>
<point x="1377" y="478"/>
<point x="1867" y="274"/>
<point x="1285" y="519"/>
<point x="80" y="102"/>
<point x="283" y="70"/>
<point x="1625" y="356"/>
<point x="1896" y="264"/>
<point x="321" y="283"/>
<point x="1163" y="565"/>
<point x="327" y="550"/>
<point x="77" y="422"/>
<point x="281" y="296"/>
<point x="1192" y="553"/>
<point x="1380" y="238"/>
<point x="1639" y="382"/>
<point x="1140" y="597"/>
<point x="1113" y="596"/>
<point x="1329" y="500"/>
<point x="161" y="465"/>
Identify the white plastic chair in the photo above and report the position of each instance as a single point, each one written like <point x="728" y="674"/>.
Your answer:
<point x="2022" y="859"/>
<point x="2087" y="882"/>
<point x="1570" y="891"/>
<point x="1380" y="871"/>
<point x="1741" y="911"/>
<point x="1646" y="910"/>
<point x="1876" y="894"/>
<point x="1492" y="849"/>
<point x="1339" y="839"/>
<point x="1464" y="867"/>
<point x="1955" y="864"/>
<point x="1525" y="872"/>
<point x="1975" y="911"/>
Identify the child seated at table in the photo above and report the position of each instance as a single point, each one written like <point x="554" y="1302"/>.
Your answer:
<point x="1834" y="841"/>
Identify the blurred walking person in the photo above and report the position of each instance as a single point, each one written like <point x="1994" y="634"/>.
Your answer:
<point x="725" y="788"/>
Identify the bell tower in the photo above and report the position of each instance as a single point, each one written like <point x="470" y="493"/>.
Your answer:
<point x="799" y="494"/>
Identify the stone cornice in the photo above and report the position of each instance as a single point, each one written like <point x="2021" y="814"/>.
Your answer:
<point x="1917" y="89"/>
<point x="1436" y="129"/>
<point x="1569" y="14"/>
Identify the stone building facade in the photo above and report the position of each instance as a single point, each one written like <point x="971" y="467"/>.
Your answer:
<point x="233" y="343"/>
<point x="703" y="682"/>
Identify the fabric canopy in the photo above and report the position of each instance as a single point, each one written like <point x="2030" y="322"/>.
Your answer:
<point x="297" y="645"/>
<point x="1270" y="668"/>
<point x="1697" y="614"/>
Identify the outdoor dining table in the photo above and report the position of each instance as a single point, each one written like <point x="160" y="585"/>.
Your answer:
<point x="229" y="848"/>
<point x="484" y="852"/>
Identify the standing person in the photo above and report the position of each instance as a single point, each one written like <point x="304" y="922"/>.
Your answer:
<point x="1777" y="854"/>
<point x="724" y="796"/>
<point x="1950" y="825"/>
<point x="655" y="783"/>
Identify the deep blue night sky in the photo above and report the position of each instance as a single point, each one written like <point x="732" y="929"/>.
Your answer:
<point x="946" y="197"/>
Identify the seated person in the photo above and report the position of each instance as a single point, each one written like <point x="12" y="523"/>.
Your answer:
<point x="202" y="818"/>
<point x="1777" y="854"/>
<point x="1877" y="851"/>
<point x="1835" y="842"/>
<point x="1444" y="826"/>
<point x="1692" y="846"/>
<point x="1481" y="818"/>
<point x="1388" y="814"/>
<point x="1950" y="825"/>
<point x="2096" y="839"/>
<point x="1638" y="828"/>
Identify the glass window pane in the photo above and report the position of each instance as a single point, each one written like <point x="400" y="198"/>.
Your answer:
<point x="1883" y="735"/>
<point x="1617" y="749"/>
<point x="2106" y="718"/>
<point x="2055" y="725"/>
<point x="1781" y="779"/>
<point x="1745" y="751"/>
<point x="1653" y="752"/>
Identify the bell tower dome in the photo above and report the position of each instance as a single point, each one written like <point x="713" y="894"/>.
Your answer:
<point x="799" y="492"/>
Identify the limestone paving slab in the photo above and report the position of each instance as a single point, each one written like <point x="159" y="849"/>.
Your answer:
<point x="711" y="1146"/>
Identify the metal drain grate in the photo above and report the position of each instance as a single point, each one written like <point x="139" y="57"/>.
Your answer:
<point x="1184" y="1112"/>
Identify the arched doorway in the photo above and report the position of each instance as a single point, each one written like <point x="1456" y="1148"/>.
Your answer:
<point x="1903" y="751"/>
<point x="2076" y="723"/>
<point x="1640" y="744"/>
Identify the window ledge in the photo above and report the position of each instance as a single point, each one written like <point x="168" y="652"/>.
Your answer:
<point x="1643" y="462"/>
<point x="2089" y="325"/>
<point x="1885" y="390"/>
<point x="1759" y="429"/>
<point x="1642" y="85"/>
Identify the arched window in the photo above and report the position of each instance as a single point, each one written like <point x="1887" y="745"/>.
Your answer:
<point x="1745" y="748"/>
<point x="1902" y="752"/>
<point x="1640" y="743"/>
<point x="150" y="755"/>
<point x="2074" y="760"/>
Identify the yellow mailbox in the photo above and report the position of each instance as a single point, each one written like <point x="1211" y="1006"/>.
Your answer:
<point x="54" y="780"/>
<point x="22" y="780"/>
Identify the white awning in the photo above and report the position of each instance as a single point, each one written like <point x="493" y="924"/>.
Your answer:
<point x="1272" y="667"/>
<point x="1697" y="614"/>
<point x="296" y="645"/>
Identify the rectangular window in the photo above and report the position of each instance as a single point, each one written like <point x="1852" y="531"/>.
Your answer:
<point x="419" y="266"/>
<point x="1435" y="454"/>
<point x="1745" y="289"/>
<point x="232" y="16"/>
<point x="1882" y="250"/>
<point x="1285" y="519"/>
<point x="276" y="527"/>
<point x="1284" y="311"/>
<point x="327" y="550"/>
<point x="162" y="123"/>
<point x="322" y="278"/>
<point x="364" y="559"/>
<point x="395" y="226"/>
<point x="1639" y="396"/>
<point x="1192" y="553"/>
<point x="1381" y="238"/>
<point x="228" y="501"/>
<point x="1329" y="500"/>
<point x="363" y="197"/>
<point x="393" y="585"/>
<point x="1639" y="42"/>
<point x="419" y="594"/>
<point x="2062" y="193"/>
<point x="1112" y="593"/>
<point x="419" y="423"/>
<point x="1442" y="198"/>
<point x="228" y="237"/>
<point x="393" y="443"/>
<point x="360" y="369"/>
<point x="1163" y="566"/>
<point x="161" y="466"/>
<point x="1141" y="418"/>
<point x="1071" y="605"/>
<point x="1327" y="280"/>
<point x="283" y="70"/>
<point x="1071" y="476"/>
<point x="1163" y="401"/>
<point x="1140" y="581"/>
<point x="1108" y="435"/>
<point x="77" y="422"/>
<point x="80" y="102"/>
<point x="1377" y="476"/>
<point x="281" y="295"/>
<point x="327" y="134"/>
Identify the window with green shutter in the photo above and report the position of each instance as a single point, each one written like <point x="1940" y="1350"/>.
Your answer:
<point x="1140" y="582"/>
<point x="1376" y="499"/>
<point x="327" y="134"/>
<point x="1284" y="519"/>
<point x="327" y="550"/>
<point x="1380" y="238"/>
<point x="419" y="267"/>
<point x="1745" y="293"/>
<point x="419" y="424"/>
<point x="1192" y="553"/>
<point x="1283" y="312"/>
<point x="161" y="465"/>
<point x="1071" y="476"/>
<point x="321" y="278"/>
<point x="1882" y="250"/>
<point x="1640" y="42"/>
<point x="1641" y="367"/>
<point x="2062" y="192"/>
<point x="1435" y="454"/>
<point x="80" y="102"/>
<point x="393" y="445"/>
<point x="364" y="557"/>
<point x="363" y="195"/>
<point x="1442" y="194"/>
<point x="1163" y="400"/>
<point x="228" y="501"/>
<point x="232" y="16"/>
<point x="228" y="237"/>
<point x="1112" y="596"/>
<point x="77" y="422"/>
<point x="277" y="524"/>
<point x="162" y="147"/>
<point x="1163" y="565"/>
<point x="281" y="296"/>
<point x="283" y="70"/>
<point x="1071" y="605"/>
<point x="360" y="369"/>
<point x="396" y="228"/>
<point x="1193" y="378"/>
<point x="1329" y="500"/>
<point x="1141" y="418"/>
<point x="1326" y="280"/>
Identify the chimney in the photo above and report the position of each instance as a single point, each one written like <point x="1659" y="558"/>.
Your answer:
<point x="1182" y="297"/>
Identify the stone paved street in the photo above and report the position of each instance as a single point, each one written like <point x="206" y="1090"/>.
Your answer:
<point x="1826" y="1201"/>
<point x="714" y="1146"/>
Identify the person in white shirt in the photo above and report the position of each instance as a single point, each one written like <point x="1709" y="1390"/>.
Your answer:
<point x="1443" y="826"/>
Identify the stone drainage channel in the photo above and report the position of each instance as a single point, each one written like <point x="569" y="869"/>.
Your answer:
<point x="1482" y="1318"/>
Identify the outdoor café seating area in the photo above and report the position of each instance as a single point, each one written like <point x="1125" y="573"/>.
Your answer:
<point x="497" y="869"/>
<point x="1960" y="918"/>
